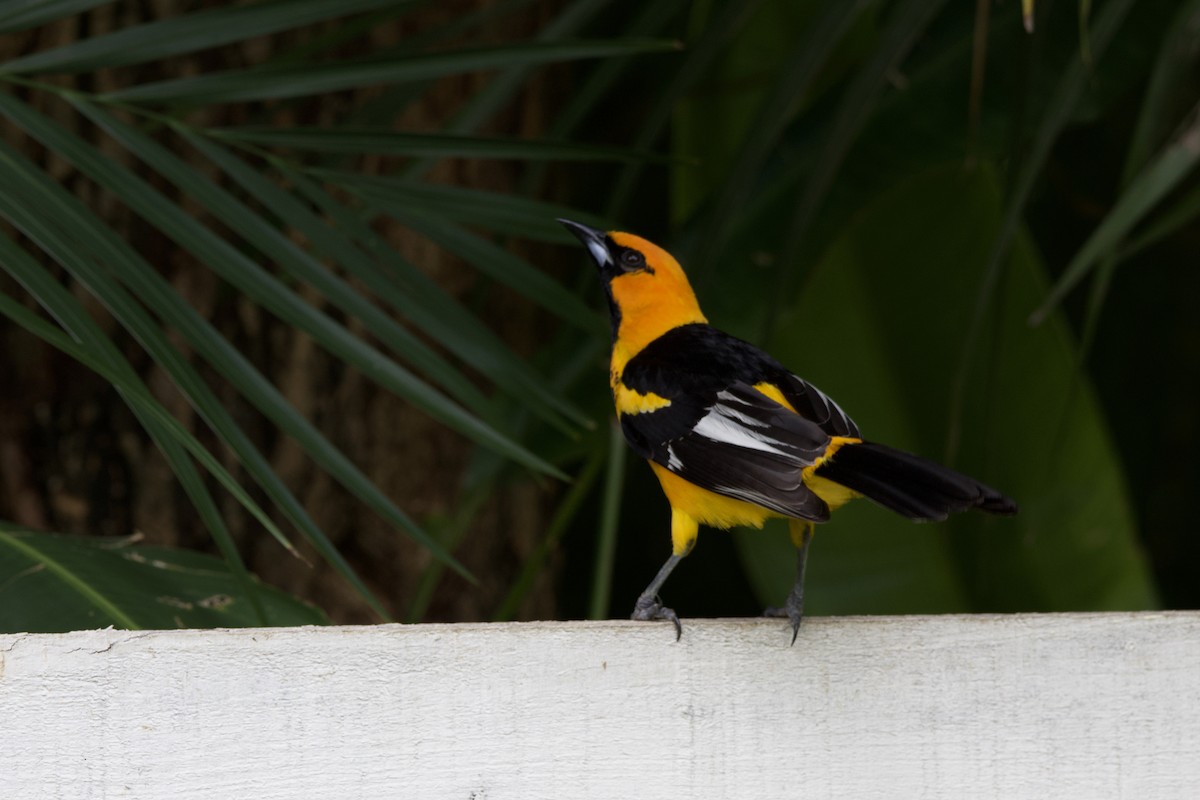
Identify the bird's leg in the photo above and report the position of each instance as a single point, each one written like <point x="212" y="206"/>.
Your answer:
<point x="683" y="539"/>
<point x="795" y="601"/>
<point x="801" y="532"/>
<point x="649" y="606"/>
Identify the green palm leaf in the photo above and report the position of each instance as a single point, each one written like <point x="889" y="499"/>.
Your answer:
<point x="286" y="80"/>
<point x="57" y="583"/>
<point x="188" y="33"/>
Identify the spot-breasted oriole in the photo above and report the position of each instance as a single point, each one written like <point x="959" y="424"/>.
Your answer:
<point x="734" y="437"/>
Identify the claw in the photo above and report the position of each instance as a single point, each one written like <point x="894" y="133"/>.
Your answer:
<point x="793" y="610"/>
<point x="795" y="619"/>
<point x="651" y="608"/>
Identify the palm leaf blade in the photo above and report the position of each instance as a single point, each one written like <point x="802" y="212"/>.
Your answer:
<point x="188" y="33"/>
<point x="283" y="81"/>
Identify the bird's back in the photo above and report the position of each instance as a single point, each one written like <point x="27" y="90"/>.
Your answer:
<point x="697" y="361"/>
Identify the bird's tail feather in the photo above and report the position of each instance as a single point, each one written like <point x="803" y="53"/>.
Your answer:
<point x="910" y="485"/>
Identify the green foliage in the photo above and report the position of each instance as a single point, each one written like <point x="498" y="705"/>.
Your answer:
<point x="861" y="186"/>
<point x="843" y="214"/>
<point x="60" y="231"/>
<point x="1073" y="545"/>
<point x="51" y="583"/>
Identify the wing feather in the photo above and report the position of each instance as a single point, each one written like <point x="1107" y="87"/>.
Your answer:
<point x="811" y="403"/>
<point x="698" y="358"/>
<point x="720" y="433"/>
<point x="740" y="444"/>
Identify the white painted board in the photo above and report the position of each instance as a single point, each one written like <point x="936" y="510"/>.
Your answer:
<point x="1022" y="706"/>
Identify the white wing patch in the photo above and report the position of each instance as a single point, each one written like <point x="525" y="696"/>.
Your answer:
<point x="733" y="413"/>
<point x="728" y="426"/>
<point x="673" y="462"/>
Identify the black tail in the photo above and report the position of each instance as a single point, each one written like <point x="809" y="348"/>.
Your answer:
<point x="910" y="485"/>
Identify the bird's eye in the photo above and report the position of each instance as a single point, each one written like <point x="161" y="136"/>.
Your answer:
<point x="633" y="259"/>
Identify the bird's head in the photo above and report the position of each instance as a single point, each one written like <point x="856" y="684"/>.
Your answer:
<point x="648" y="292"/>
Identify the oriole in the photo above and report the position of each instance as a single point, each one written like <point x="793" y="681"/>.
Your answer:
<point x="733" y="436"/>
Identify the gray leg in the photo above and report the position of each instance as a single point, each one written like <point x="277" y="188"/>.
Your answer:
<point x="794" y="608"/>
<point x="648" y="605"/>
<point x="795" y="601"/>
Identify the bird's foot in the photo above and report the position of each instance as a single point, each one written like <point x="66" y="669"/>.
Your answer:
<point x="649" y="607"/>
<point x="794" y="611"/>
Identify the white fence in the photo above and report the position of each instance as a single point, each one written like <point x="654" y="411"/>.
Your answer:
<point x="1023" y="706"/>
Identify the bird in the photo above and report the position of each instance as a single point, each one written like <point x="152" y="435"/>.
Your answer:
<point x="733" y="436"/>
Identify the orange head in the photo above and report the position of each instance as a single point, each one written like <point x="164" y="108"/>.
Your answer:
<point x="648" y="292"/>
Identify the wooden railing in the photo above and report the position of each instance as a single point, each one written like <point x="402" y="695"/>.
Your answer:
<point x="1021" y="706"/>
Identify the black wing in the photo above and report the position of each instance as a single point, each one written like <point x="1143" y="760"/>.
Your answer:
<point x="698" y="358"/>
<point x="813" y="404"/>
<point x="737" y="443"/>
<point x="722" y="434"/>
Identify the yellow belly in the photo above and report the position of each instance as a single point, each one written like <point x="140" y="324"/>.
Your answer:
<point x="718" y="511"/>
<point x="709" y="508"/>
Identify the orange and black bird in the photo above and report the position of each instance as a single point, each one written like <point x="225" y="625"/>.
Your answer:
<point x="734" y="437"/>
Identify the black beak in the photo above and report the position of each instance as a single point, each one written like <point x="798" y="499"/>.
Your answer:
<point x="594" y="240"/>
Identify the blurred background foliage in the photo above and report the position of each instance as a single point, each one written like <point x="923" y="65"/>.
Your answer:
<point x="286" y="313"/>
